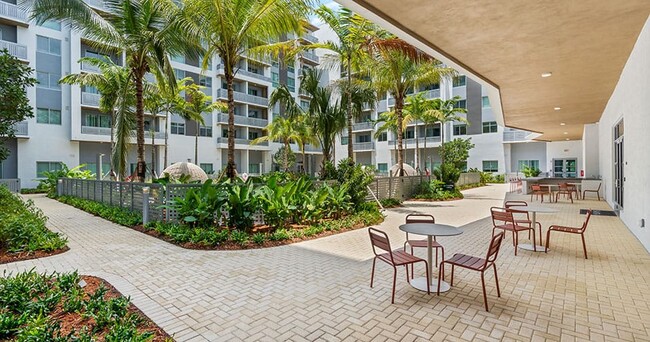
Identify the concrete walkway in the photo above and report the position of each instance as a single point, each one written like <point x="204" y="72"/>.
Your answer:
<point x="318" y="289"/>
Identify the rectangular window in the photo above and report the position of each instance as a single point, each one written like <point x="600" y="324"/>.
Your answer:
<point x="344" y="140"/>
<point x="291" y="83"/>
<point x="490" y="166"/>
<point x="364" y="138"/>
<point x="383" y="137"/>
<point x="205" y="81"/>
<point x="304" y="104"/>
<point x="253" y="135"/>
<point x="275" y="78"/>
<point x="433" y="131"/>
<point x="460" y="129"/>
<point x="207" y="167"/>
<point x="97" y="120"/>
<point x="252" y="92"/>
<point x="43" y="166"/>
<point x="409" y="134"/>
<point x="486" y="101"/>
<point x="52" y="24"/>
<point x="253" y="114"/>
<point x="180" y="74"/>
<point x="177" y="128"/>
<point x="527" y="163"/>
<point x="254" y="168"/>
<point x="490" y="127"/>
<point x="48" y="116"/>
<point x="382" y="167"/>
<point x="205" y="131"/>
<point x="291" y="68"/>
<point x="48" y="45"/>
<point x="459" y="81"/>
<point x="461" y="104"/>
<point x="48" y="80"/>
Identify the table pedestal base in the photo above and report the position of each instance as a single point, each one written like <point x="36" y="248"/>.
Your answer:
<point x="529" y="247"/>
<point x="421" y="284"/>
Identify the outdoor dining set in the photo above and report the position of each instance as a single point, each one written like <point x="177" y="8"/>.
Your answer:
<point x="513" y="218"/>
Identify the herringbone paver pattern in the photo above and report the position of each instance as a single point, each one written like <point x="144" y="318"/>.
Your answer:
<point x="319" y="289"/>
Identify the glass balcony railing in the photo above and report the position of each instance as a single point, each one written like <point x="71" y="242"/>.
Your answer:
<point x="21" y="129"/>
<point x="90" y="99"/>
<point x="243" y="97"/>
<point x="363" y="146"/>
<point x="243" y="120"/>
<point x="17" y="50"/>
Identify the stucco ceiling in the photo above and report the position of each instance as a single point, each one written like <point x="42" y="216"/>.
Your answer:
<point x="509" y="44"/>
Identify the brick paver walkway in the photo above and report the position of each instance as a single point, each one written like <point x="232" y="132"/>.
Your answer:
<point x="318" y="290"/>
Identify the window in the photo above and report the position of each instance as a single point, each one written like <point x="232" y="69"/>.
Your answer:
<point x="527" y="163"/>
<point x="207" y="167"/>
<point x="254" y="69"/>
<point x="383" y="137"/>
<point x="254" y="113"/>
<point x="363" y="138"/>
<point x="461" y="104"/>
<point x="52" y="24"/>
<point x="490" y="127"/>
<point x="179" y="59"/>
<point x="180" y="74"/>
<point x="433" y="131"/>
<point x="97" y="120"/>
<point x="178" y="128"/>
<point x="291" y="68"/>
<point x="304" y="104"/>
<point x="291" y="83"/>
<point x="205" y="131"/>
<point x="382" y="167"/>
<point x="275" y="78"/>
<point x="344" y="140"/>
<point x="490" y="166"/>
<point x="486" y="101"/>
<point x="460" y="129"/>
<point x="93" y="54"/>
<point x="92" y="167"/>
<point x="253" y="135"/>
<point x="48" y="45"/>
<point x="48" y="116"/>
<point x="205" y="81"/>
<point x="48" y="80"/>
<point x="431" y="87"/>
<point x="459" y="81"/>
<point x="252" y="92"/>
<point x="409" y="134"/>
<point x="47" y="166"/>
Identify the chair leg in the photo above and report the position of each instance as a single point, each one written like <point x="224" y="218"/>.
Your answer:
<point x="441" y="274"/>
<point x="496" y="279"/>
<point x="426" y="265"/>
<point x="452" y="275"/>
<point x="412" y="271"/>
<point x="584" y="245"/>
<point x="436" y="257"/>
<point x="408" y="280"/>
<point x="548" y="239"/>
<point x="392" y="301"/>
<point x="534" y="242"/>
<point x="484" y="292"/>
<point x="372" y="275"/>
<point x="571" y="197"/>
<point x="514" y="240"/>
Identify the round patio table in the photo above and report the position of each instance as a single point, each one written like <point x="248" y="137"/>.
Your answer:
<point x="534" y="209"/>
<point x="430" y="230"/>
<point x="550" y="190"/>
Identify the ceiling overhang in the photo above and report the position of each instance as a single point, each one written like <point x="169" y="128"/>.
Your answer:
<point x="506" y="45"/>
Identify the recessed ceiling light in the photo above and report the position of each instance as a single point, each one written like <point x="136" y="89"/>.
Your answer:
<point x="562" y="124"/>
<point x="557" y="108"/>
<point x="547" y="74"/>
<point x="566" y="132"/>
<point x="567" y="139"/>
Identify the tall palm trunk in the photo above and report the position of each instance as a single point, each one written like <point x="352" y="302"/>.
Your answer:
<point x="399" y="104"/>
<point x="349" y="95"/>
<point x="196" y="145"/>
<point x="231" y="167"/>
<point x="285" y="158"/>
<point x="153" y="153"/>
<point x="139" y="114"/>
<point x="166" y="139"/>
<point x="442" y="141"/>
<point x="112" y="172"/>
<point x="304" y="159"/>
<point x="425" y="146"/>
<point x="417" y="148"/>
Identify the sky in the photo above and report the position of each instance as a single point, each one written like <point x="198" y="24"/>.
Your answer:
<point x="329" y="3"/>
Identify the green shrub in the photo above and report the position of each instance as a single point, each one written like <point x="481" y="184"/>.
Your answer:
<point x="530" y="171"/>
<point x="447" y="173"/>
<point x="117" y="215"/>
<point x="239" y="237"/>
<point x="436" y="191"/>
<point x="23" y="226"/>
<point x="390" y="202"/>
<point x="355" y="178"/>
<point x="201" y="206"/>
<point x="49" y="182"/>
<point x="259" y="238"/>
<point x="27" y="191"/>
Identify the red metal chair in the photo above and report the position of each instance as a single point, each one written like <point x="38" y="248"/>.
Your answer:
<point x="475" y="264"/>
<point x="379" y="241"/>
<point x="527" y="220"/>
<point x="537" y="191"/>
<point x="564" y="190"/>
<point x="597" y="191"/>
<point x="570" y="230"/>
<point x="422" y="218"/>
<point x="503" y="219"/>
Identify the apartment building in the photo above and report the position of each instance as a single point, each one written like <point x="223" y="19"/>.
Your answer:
<point x="68" y="127"/>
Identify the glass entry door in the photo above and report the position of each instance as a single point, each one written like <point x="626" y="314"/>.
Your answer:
<point x="565" y="168"/>
<point x="619" y="162"/>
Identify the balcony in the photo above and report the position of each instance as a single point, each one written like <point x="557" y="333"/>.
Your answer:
<point x="382" y="106"/>
<point x="107" y="131"/>
<point x="363" y="146"/>
<point x="17" y="50"/>
<point x="310" y="38"/>
<point x="410" y="143"/>
<point x="517" y="135"/>
<point x="243" y="120"/>
<point x="310" y="56"/>
<point x="363" y="126"/>
<point x="243" y="97"/>
<point x="244" y="72"/>
<point x="240" y="141"/>
<point x="21" y="129"/>
<point x="13" y="12"/>
<point x="90" y="99"/>
<point x="85" y="66"/>
<point x="431" y="94"/>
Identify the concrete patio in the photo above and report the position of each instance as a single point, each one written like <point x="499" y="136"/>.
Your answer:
<point x="319" y="289"/>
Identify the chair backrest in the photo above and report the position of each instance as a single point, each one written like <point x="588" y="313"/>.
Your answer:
<point x="536" y="187"/>
<point x="493" y="250"/>
<point x="501" y="215"/>
<point x="509" y="204"/>
<point x="379" y="240"/>
<point x="420" y="218"/>
<point x="564" y="186"/>
<point x="584" y="224"/>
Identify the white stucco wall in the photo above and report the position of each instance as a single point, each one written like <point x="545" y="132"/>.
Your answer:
<point x="563" y="150"/>
<point x="630" y="101"/>
<point x="590" y="151"/>
<point x="527" y="151"/>
<point x="487" y="147"/>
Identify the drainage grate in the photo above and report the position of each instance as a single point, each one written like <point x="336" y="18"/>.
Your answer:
<point x="599" y="212"/>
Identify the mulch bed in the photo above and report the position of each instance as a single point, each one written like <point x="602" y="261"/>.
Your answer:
<point x="74" y="320"/>
<point x="435" y="200"/>
<point x="6" y="257"/>
<point x="231" y="246"/>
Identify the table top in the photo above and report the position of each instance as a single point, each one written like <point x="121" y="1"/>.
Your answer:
<point x="432" y="229"/>
<point x="574" y="183"/>
<point x="549" y="185"/>
<point x="534" y="208"/>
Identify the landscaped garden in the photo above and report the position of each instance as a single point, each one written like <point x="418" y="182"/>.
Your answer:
<point x="69" y="307"/>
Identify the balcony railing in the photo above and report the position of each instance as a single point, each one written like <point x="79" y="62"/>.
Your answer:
<point x="244" y="72"/>
<point x="363" y="126"/>
<point x="85" y="66"/>
<point x="96" y="3"/>
<point x="310" y="38"/>
<point x="382" y="106"/>
<point x="515" y="135"/>
<point x="90" y="99"/>
<point x="12" y="11"/>
<point x="21" y="129"/>
<point x="310" y="56"/>
<point x="430" y="140"/>
<point x="243" y="97"/>
<point x="240" y="141"/>
<point x="364" y="146"/>
<point x="107" y="131"/>
<point x="243" y="120"/>
<point x="16" y="50"/>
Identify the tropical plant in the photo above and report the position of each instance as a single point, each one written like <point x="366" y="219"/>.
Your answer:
<point x="456" y="152"/>
<point x="201" y="206"/>
<point x="447" y="111"/>
<point x="419" y="109"/>
<point x="448" y="173"/>
<point x="398" y="68"/>
<point x="117" y="98"/>
<point x="281" y="129"/>
<point x="15" y="77"/>
<point x="232" y="29"/>
<point x="280" y="155"/>
<point x="355" y="179"/>
<point x="50" y="179"/>
<point x="242" y="203"/>
<point x="147" y="31"/>
<point x="530" y="171"/>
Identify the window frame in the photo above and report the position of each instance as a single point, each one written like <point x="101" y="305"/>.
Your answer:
<point x="491" y="167"/>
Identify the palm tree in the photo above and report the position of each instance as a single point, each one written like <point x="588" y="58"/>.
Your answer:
<point x="399" y="67"/>
<point x="419" y="109"/>
<point x="234" y="28"/>
<point x="354" y="35"/>
<point x="446" y="111"/>
<point x="147" y="31"/>
<point x="117" y="98"/>
<point x="284" y="130"/>
<point x="389" y="120"/>
<point x="197" y="103"/>
<point x="305" y="136"/>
